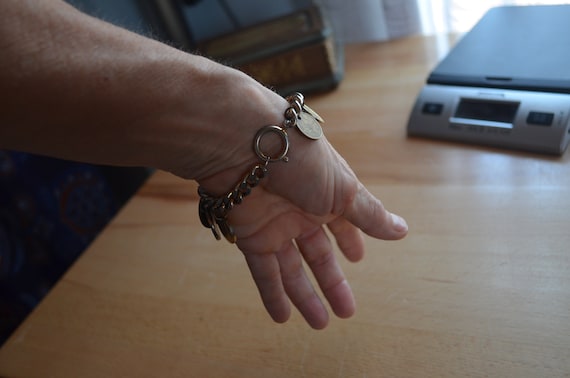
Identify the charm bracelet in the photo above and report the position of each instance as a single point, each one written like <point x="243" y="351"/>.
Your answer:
<point x="214" y="211"/>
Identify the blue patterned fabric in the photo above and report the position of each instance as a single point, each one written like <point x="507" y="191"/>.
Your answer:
<point x="50" y="210"/>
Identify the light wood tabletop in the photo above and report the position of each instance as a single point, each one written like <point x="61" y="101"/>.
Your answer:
<point x="480" y="287"/>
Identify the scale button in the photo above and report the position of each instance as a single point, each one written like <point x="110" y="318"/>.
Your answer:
<point x="432" y="108"/>
<point x="540" y="118"/>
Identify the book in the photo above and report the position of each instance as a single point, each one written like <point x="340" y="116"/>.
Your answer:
<point x="296" y="52"/>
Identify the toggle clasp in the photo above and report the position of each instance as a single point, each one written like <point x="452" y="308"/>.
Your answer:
<point x="284" y="139"/>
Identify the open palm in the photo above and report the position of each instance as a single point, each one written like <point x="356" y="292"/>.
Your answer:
<point x="283" y="222"/>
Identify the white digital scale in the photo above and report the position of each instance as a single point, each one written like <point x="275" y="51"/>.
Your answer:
<point x="506" y="83"/>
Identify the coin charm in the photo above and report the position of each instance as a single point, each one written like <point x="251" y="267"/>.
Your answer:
<point x="227" y="231"/>
<point x="313" y="113"/>
<point x="204" y="215"/>
<point x="216" y="231"/>
<point x="309" y="126"/>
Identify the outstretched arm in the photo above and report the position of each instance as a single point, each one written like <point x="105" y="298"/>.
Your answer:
<point x="75" y="87"/>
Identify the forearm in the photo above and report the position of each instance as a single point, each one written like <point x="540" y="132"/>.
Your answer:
<point x="78" y="88"/>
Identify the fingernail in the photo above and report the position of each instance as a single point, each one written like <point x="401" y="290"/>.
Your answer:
<point x="400" y="224"/>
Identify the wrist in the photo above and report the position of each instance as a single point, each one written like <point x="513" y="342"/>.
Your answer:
<point x="237" y="107"/>
<point x="214" y="208"/>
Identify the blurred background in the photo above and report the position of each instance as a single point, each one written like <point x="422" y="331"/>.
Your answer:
<point x="189" y="21"/>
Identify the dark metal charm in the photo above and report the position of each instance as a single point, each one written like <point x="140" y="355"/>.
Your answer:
<point x="227" y="231"/>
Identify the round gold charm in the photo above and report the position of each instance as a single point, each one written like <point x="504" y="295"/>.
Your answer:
<point x="309" y="126"/>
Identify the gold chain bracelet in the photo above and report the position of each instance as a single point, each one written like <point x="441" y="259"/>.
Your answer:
<point x="213" y="211"/>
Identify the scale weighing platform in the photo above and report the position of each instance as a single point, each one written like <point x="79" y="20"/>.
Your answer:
<point x="506" y="83"/>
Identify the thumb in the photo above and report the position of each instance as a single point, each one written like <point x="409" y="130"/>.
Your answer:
<point x="368" y="213"/>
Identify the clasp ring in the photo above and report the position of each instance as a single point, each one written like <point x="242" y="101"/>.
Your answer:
<point x="284" y="139"/>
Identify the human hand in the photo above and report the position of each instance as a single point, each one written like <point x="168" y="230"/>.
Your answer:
<point x="284" y="222"/>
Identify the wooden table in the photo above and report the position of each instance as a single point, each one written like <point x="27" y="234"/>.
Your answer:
<point x="480" y="287"/>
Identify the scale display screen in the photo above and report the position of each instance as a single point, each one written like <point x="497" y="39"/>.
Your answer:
<point x="496" y="111"/>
